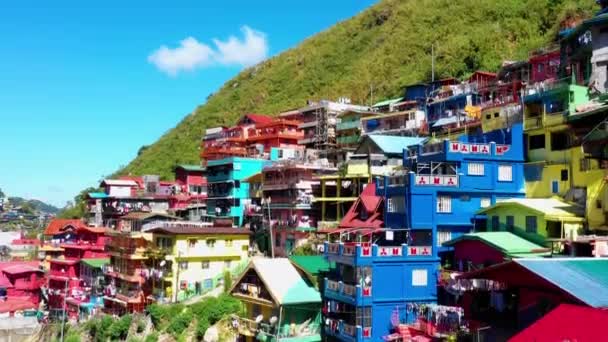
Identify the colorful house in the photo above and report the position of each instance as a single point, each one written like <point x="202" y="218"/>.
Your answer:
<point x="566" y="323"/>
<point x="20" y="282"/>
<point x="449" y="181"/>
<point x="477" y="250"/>
<point x="228" y="190"/>
<point x="538" y="284"/>
<point x="536" y="219"/>
<point x="366" y="212"/>
<point x="288" y="195"/>
<point x="197" y="257"/>
<point x="280" y="303"/>
<point x="377" y="272"/>
<point x="348" y="129"/>
<point x="385" y="152"/>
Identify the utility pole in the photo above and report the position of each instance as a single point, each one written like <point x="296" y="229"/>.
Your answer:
<point x="65" y="296"/>
<point x="268" y="201"/>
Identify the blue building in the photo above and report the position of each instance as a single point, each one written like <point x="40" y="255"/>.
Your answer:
<point x="449" y="181"/>
<point x="227" y="190"/>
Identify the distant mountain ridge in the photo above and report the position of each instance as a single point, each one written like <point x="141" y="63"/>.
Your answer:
<point x="38" y="205"/>
<point x="383" y="48"/>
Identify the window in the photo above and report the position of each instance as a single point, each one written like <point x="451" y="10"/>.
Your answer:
<point x="495" y="223"/>
<point x="488" y="116"/>
<point x="585" y="164"/>
<point x="163" y="242"/>
<point x="496" y="114"/>
<point x="540" y="68"/>
<point x="183" y="265"/>
<point x="564" y="175"/>
<point x="205" y="265"/>
<point x="505" y="173"/>
<point x="510" y="223"/>
<point x="444" y="204"/>
<point x="555" y="187"/>
<point x="476" y="169"/>
<point x="531" y="224"/>
<point x="228" y="243"/>
<point x="559" y="141"/>
<point x="191" y="243"/>
<point x="396" y="204"/>
<point x="227" y="264"/>
<point x="211" y="243"/>
<point x="485" y="202"/>
<point x="536" y="141"/>
<point x="419" y="278"/>
<point x="277" y="241"/>
<point x="443" y="236"/>
<point x="364" y="316"/>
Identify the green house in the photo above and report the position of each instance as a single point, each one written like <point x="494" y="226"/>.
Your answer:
<point x="535" y="219"/>
<point x="281" y="304"/>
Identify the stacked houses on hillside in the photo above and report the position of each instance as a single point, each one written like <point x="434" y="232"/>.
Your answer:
<point x="456" y="205"/>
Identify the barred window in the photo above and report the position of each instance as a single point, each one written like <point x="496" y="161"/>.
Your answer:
<point x="444" y="204"/>
<point x="476" y="169"/>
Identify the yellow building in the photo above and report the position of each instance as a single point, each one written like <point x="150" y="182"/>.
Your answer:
<point x="536" y="219"/>
<point x="199" y="256"/>
<point x="557" y="162"/>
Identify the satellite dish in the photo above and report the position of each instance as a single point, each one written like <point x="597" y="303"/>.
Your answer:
<point x="259" y="319"/>
<point x="273" y="320"/>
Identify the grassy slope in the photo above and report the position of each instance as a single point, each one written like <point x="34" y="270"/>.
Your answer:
<point x="388" y="45"/>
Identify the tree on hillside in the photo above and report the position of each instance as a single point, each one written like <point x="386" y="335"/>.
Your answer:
<point x="79" y="206"/>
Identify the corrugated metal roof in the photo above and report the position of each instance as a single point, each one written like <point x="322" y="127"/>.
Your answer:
<point x="284" y="282"/>
<point x="584" y="278"/>
<point x="508" y="243"/>
<point x="313" y="264"/>
<point x="98" y="195"/>
<point x="390" y="144"/>
<point x="387" y="102"/>
<point x="119" y="182"/>
<point x="96" y="263"/>
<point x="551" y="208"/>
<point x="190" y="167"/>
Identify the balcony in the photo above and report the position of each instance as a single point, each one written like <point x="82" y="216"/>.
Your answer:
<point x="348" y="140"/>
<point x="352" y="294"/>
<point x="366" y="254"/>
<point x="250" y="327"/>
<point x="342" y="126"/>
<point x="347" y="332"/>
<point x="274" y="133"/>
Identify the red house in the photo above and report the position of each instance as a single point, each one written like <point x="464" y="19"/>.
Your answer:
<point x="544" y="66"/>
<point x="366" y="212"/>
<point x="567" y="323"/>
<point x="21" y="281"/>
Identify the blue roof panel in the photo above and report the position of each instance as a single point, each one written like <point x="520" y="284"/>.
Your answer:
<point x="390" y="144"/>
<point x="584" y="278"/>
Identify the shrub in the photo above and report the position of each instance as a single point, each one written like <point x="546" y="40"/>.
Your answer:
<point x="180" y="322"/>
<point x="201" y="327"/>
<point x="227" y="281"/>
<point x="72" y="337"/>
<point x="153" y="337"/>
<point x="120" y="328"/>
<point x="157" y="313"/>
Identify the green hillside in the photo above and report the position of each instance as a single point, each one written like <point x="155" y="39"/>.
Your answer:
<point x="387" y="46"/>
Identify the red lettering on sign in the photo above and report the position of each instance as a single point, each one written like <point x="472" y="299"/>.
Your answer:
<point x="455" y="146"/>
<point x="464" y="148"/>
<point x="365" y="251"/>
<point x="425" y="251"/>
<point x="383" y="251"/>
<point x="484" y="149"/>
<point x="474" y="148"/>
<point x="450" y="181"/>
<point x="413" y="251"/>
<point x="436" y="180"/>
<point x="396" y="251"/>
<point x="421" y="181"/>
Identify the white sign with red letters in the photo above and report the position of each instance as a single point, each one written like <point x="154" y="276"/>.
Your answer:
<point x="419" y="250"/>
<point x="451" y="180"/>
<point x="459" y="147"/>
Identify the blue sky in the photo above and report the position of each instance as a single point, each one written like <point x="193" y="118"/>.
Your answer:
<point x="82" y="88"/>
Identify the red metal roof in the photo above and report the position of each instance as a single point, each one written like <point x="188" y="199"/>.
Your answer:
<point x="21" y="267"/>
<point x="369" y="203"/>
<point x="258" y="118"/>
<point x="56" y="226"/>
<point x="567" y="323"/>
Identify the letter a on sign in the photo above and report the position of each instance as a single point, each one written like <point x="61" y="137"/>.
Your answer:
<point x="484" y="149"/>
<point x="383" y="251"/>
<point x="451" y="181"/>
<point x="464" y="148"/>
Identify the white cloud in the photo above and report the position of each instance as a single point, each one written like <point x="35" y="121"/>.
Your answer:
<point x="192" y="54"/>
<point x="247" y="52"/>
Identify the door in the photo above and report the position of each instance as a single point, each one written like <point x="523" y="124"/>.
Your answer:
<point x="510" y="223"/>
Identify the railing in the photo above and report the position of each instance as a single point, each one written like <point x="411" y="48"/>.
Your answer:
<point x="283" y="133"/>
<point x="347" y="125"/>
<point x="505" y="100"/>
<point x="544" y="86"/>
<point x="365" y="251"/>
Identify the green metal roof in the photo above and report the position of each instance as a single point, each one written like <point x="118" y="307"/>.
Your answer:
<point x="583" y="278"/>
<point x="191" y="167"/>
<point x="96" y="263"/>
<point x="313" y="264"/>
<point x="97" y="195"/>
<point x="508" y="243"/>
<point x="387" y="102"/>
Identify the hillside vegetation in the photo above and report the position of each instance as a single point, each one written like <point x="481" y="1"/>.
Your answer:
<point x="385" y="47"/>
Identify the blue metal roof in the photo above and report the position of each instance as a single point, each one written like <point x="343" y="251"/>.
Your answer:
<point x="390" y="144"/>
<point x="584" y="278"/>
<point x="98" y="195"/>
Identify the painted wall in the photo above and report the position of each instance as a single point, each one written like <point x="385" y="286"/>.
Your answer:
<point x="476" y="252"/>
